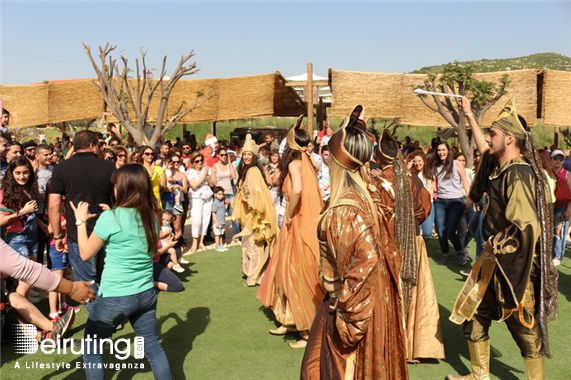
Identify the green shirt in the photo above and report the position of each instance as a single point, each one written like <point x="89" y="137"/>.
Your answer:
<point x="128" y="266"/>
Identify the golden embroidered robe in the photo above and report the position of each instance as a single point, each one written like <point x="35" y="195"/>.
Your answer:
<point x="363" y="338"/>
<point x="254" y="209"/>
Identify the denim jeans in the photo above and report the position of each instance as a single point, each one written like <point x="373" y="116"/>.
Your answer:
<point x="108" y="312"/>
<point x="448" y="213"/>
<point x="89" y="270"/>
<point x="559" y="244"/>
<point x="25" y="242"/>
<point x="464" y="233"/>
<point x="235" y="224"/>
<point x="428" y="225"/>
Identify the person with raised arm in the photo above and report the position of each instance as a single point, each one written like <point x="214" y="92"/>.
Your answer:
<point x="514" y="275"/>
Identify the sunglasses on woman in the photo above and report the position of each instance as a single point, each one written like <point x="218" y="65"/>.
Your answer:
<point x="223" y="155"/>
<point x="198" y="161"/>
<point x="121" y="155"/>
<point x="559" y="158"/>
<point x="147" y="154"/>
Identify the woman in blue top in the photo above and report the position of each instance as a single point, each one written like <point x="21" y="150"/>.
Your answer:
<point x="130" y="233"/>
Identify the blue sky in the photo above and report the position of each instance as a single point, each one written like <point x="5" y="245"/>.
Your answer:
<point x="42" y="40"/>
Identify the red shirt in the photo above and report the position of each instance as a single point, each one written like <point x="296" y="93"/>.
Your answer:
<point x="208" y="159"/>
<point x="16" y="225"/>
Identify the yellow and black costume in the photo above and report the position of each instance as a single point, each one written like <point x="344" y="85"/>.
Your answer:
<point x="517" y="283"/>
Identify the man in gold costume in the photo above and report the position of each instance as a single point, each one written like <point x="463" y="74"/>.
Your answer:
<point x="358" y="332"/>
<point x="401" y="196"/>
<point x="513" y="280"/>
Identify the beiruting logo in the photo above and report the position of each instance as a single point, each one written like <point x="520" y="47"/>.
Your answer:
<point x="24" y="342"/>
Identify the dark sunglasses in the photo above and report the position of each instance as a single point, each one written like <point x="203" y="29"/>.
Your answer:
<point x="175" y="162"/>
<point x="223" y="155"/>
<point x="559" y="158"/>
<point x="147" y="154"/>
<point x="121" y="155"/>
<point x="197" y="161"/>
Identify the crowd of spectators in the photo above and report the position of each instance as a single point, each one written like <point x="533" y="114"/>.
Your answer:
<point x="57" y="198"/>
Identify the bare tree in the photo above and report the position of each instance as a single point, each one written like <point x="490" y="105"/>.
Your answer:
<point x="459" y="80"/>
<point x="390" y="124"/>
<point x="124" y="95"/>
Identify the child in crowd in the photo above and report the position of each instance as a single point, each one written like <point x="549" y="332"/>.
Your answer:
<point x="167" y="169"/>
<point x="166" y="237"/>
<point x="5" y="120"/>
<point x="59" y="265"/>
<point x="219" y="218"/>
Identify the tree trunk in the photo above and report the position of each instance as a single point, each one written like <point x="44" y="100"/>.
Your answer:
<point x="464" y="142"/>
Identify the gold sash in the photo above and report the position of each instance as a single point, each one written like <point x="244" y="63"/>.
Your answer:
<point x="473" y="291"/>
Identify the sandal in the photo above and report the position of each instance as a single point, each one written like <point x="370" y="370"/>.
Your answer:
<point x="302" y="343"/>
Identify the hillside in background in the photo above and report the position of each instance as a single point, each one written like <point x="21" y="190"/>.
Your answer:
<point x="551" y="61"/>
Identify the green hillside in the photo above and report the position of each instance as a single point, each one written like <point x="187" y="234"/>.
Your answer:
<point x="551" y="61"/>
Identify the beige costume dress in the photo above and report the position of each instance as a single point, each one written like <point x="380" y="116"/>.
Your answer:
<point x="255" y="211"/>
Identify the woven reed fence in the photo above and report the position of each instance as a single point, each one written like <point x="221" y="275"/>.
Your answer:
<point x="286" y="100"/>
<point x="73" y="101"/>
<point x="523" y="89"/>
<point x="234" y="98"/>
<point x="391" y="96"/>
<point x="379" y="93"/>
<point x="28" y="105"/>
<point x="188" y="91"/>
<point x="556" y="105"/>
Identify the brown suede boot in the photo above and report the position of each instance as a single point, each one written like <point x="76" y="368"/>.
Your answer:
<point x="535" y="369"/>
<point x="480" y="359"/>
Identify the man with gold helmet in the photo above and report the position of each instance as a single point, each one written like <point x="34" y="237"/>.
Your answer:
<point x="513" y="280"/>
<point x="254" y="209"/>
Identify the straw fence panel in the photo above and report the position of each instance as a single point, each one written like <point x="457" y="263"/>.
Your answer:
<point x="414" y="112"/>
<point x="28" y="105"/>
<point x="556" y="98"/>
<point x="74" y="101"/>
<point x="286" y="100"/>
<point x="246" y="97"/>
<point x="379" y="93"/>
<point x="186" y="91"/>
<point x="391" y="96"/>
<point x="523" y="88"/>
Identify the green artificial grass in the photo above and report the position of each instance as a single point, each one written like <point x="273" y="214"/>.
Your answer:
<point x="217" y="329"/>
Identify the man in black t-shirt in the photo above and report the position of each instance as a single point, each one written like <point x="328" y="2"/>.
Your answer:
<point x="83" y="177"/>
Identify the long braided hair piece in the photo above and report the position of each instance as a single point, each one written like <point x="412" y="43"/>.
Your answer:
<point x="405" y="229"/>
<point x="548" y="308"/>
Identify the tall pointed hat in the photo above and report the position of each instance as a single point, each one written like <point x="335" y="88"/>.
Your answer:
<point x="336" y="143"/>
<point x="250" y="145"/>
<point x="508" y="122"/>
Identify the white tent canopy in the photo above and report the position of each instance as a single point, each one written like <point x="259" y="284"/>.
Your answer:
<point x="303" y="78"/>
<point x="323" y="92"/>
